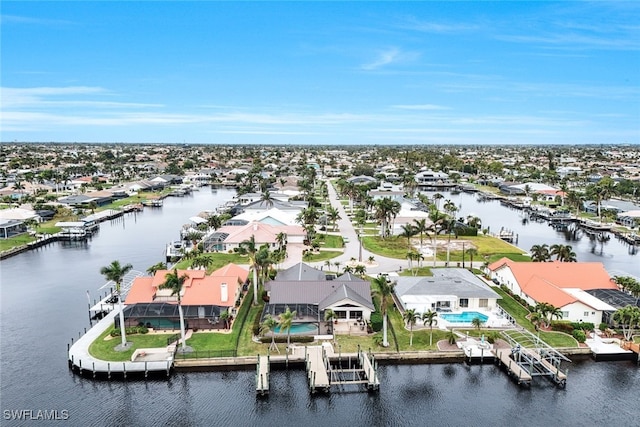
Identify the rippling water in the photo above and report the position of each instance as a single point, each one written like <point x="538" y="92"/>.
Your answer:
<point x="44" y="304"/>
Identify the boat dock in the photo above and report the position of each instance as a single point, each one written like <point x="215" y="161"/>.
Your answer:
<point x="503" y="357"/>
<point x="626" y="345"/>
<point x="531" y="357"/>
<point x="262" y="375"/>
<point x="317" y="367"/>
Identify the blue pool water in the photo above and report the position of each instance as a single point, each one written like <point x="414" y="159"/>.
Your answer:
<point x="464" y="317"/>
<point x="300" y="328"/>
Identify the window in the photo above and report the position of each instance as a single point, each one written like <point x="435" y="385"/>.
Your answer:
<point x="355" y="314"/>
<point x="464" y="302"/>
<point x="341" y="314"/>
<point x="565" y="314"/>
<point x="586" y="314"/>
<point x="483" y="303"/>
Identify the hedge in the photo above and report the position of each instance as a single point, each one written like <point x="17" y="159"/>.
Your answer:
<point x="283" y="339"/>
<point x="376" y="321"/>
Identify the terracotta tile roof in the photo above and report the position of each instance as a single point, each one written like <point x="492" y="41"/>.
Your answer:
<point x="198" y="289"/>
<point x="545" y="281"/>
<point x="263" y="233"/>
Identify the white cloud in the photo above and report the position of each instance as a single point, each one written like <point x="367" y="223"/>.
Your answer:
<point x="390" y="56"/>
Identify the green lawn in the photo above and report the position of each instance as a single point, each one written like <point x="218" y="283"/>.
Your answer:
<point x="104" y="349"/>
<point x="330" y="241"/>
<point x="321" y="256"/>
<point x="422" y="271"/>
<point x="519" y="313"/>
<point x="22" y="239"/>
<point x="491" y="247"/>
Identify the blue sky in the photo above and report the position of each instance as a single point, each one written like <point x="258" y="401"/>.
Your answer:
<point x="415" y="72"/>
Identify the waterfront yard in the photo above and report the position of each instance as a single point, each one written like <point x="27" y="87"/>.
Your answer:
<point x="487" y="247"/>
<point x="103" y="347"/>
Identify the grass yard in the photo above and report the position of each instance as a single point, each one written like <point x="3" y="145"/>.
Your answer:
<point x="519" y="313"/>
<point x="104" y="349"/>
<point x="330" y="241"/>
<point x="22" y="239"/>
<point x="422" y="271"/>
<point x="321" y="256"/>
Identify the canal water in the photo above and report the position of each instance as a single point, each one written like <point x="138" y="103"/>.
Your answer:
<point x="44" y="304"/>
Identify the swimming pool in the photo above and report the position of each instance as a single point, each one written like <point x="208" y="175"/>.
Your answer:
<point x="300" y="328"/>
<point x="464" y="317"/>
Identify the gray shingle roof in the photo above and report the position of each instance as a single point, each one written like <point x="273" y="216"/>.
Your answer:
<point x="300" y="271"/>
<point x="317" y="291"/>
<point x="345" y="292"/>
<point x="445" y="281"/>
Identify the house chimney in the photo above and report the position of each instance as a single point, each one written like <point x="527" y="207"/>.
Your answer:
<point x="224" y="293"/>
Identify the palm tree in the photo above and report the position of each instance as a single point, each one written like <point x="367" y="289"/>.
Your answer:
<point x="328" y="264"/>
<point x="267" y="199"/>
<point x="422" y="229"/>
<point x="360" y="270"/>
<point x="214" y="222"/>
<point x="174" y="282"/>
<point x="437" y="197"/>
<point x="477" y="322"/>
<point x="337" y="264"/>
<point x="471" y="252"/>
<point x="540" y="253"/>
<point x="408" y="231"/>
<point x="563" y="253"/>
<point x="248" y="247"/>
<point x="628" y="318"/>
<point x="537" y="319"/>
<point x="156" y="267"/>
<point x="386" y="211"/>
<point x="333" y="215"/>
<point x="385" y="290"/>
<point x="225" y="317"/>
<point x="285" y="321"/>
<point x="329" y="317"/>
<point x="202" y="260"/>
<point x="281" y="239"/>
<point x="268" y="325"/>
<point x="429" y="319"/>
<point x="115" y="272"/>
<point x="410" y="316"/>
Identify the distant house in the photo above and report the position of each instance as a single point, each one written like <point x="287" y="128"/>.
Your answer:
<point x="11" y="228"/>
<point x="449" y="289"/>
<point x="203" y="298"/>
<point x="309" y="292"/>
<point x="430" y="177"/>
<point x="564" y="285"/>
<point x="229" y="237"/>
<point x="362" y="180"/>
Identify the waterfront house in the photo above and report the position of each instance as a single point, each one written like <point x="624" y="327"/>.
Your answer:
<point x="229" y="237"/>
<point x="11" y="228"/>
<point x="449" y="289"/>
<point x="203" y="298"/>
<point x="430" y="177"/>
<point x="310" y="292"/>
<point x="564" y="285"/>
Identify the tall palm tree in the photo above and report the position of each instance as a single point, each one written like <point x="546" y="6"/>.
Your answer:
<point x="429" y="319"/>
<point x="422" y="229"/>
<point x="116" y="272"/>
<point x="328" y="264"/>
<point x="386" y="210"/>
<point x="384" y="290"/>
<point x="285" y="320"/>
<point x="410" y="316"/>
<point x="408" y="231"/>
<point x="248" y="247"/>
<point x="268" y="325"/>
<point x="333" y="215"/>
<point x="174" y="282"/>
<point x="471" y="252"/>
<point x="267" y="199"/>
<point x="563" y="253"/>
<point x="360" y="270"/>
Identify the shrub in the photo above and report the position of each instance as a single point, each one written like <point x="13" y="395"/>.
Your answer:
<point x="579" y="335"/>
<point x="376" y="321"/>
<point x="603" y="327"/>
<point x="585" y="326"/>
<point x="452" y="337"/>
<point x="562" y="326"/>
<point x="255" y="329"/>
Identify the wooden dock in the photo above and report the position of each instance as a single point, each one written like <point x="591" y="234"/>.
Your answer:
<point x="368" y="366"/>
<point x="317" y="369"/>
<point x="513" y="368"/>
<point x="262" y="375"/>
<point x="557" y="375"/>
<point x="627" y="345"/>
